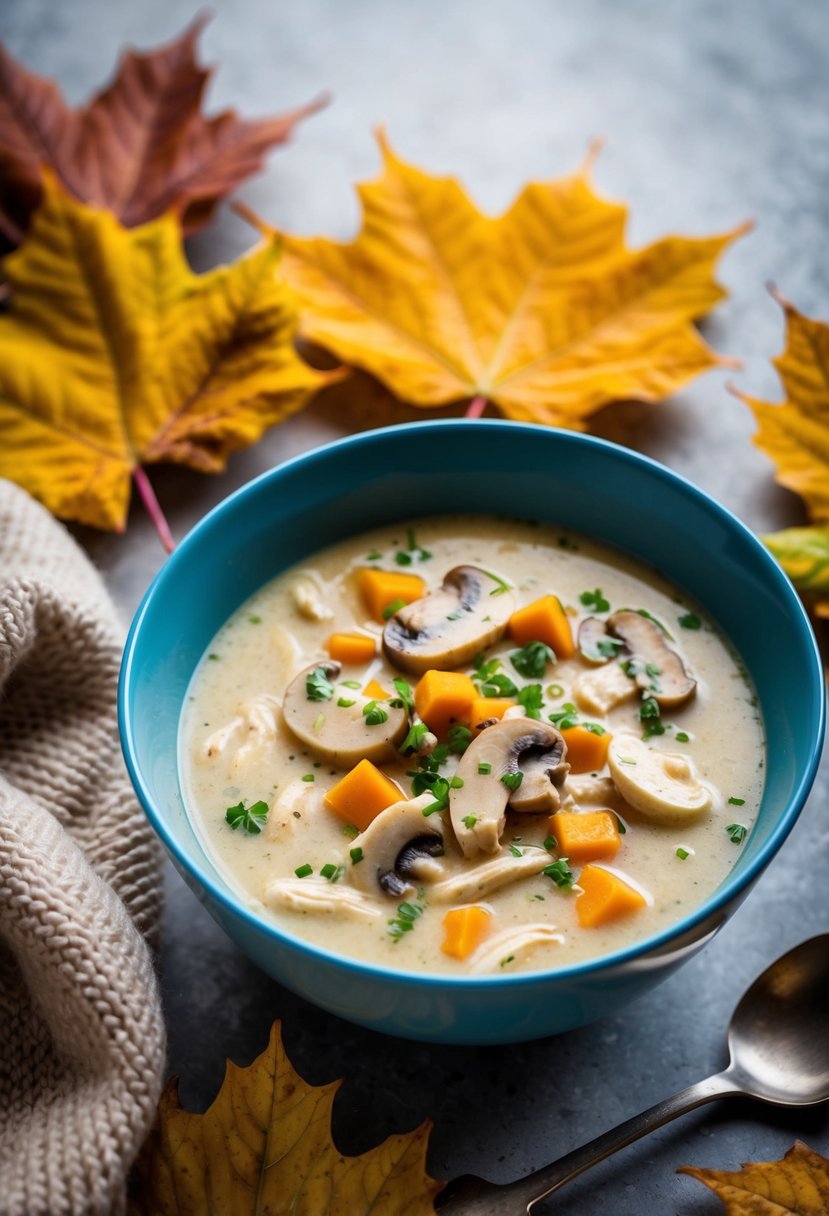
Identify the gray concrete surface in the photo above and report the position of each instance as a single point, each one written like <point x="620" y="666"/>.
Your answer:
<point x="713" y="113"/>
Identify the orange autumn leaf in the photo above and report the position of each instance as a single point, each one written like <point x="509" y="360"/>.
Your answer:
<point x="796" y="1186"/>
<point x="543" y="311"/>
<point x="140" y="147"/>
<point x="795" y="436"/>
<point x="114" y="354"/>
<point x="265" y="1146"/>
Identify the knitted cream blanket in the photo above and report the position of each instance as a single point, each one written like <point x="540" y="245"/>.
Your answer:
<point x="81" y="1035"/>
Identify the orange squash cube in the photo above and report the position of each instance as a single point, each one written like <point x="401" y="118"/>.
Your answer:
<point x="442" y="699"/>
<point x="544" y="621"/>
<point x="351" y="648"/>
<point x="464" y="930"/>
<point x="382" y="588"/>
<point x="362" y="794"/>
<point x="376" y="691"/>
<point x="488" y="707"/>
<point x="584" y="836"/>
<point x="605" y="897"/>
<point x="586" y="752"/>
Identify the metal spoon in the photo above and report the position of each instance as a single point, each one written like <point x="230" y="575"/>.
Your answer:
<point x="778" y="1042"/>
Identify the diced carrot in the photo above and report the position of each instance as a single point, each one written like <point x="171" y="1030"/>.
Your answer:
<point x="586" y="752"/>
<point x="464" y="930"/>
<point x="362" y="794"/>
<point x="488" y="707"/>
<point x="351" y="647"/>
<point x="605" y="897"/>
<point x="544" y="621"/>
<point x="382" y="588"/>
<point x="442" y="699"/>
<point x="584" y="836"/>
<point x="375" y="690"/>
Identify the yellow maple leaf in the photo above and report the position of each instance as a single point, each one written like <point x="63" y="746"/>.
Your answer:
<point x="796" y="1186"/>
<point x="795" y="436"/>
<point x="543" y="311"/>
<point x="114" y="354"/>
<point x="265" y="1146"/>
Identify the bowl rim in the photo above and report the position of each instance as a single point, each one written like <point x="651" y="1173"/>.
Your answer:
<point x="732" y="887"/>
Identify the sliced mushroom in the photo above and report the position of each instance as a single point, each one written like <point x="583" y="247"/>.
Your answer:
<point x="319" y="895"/>
<point x="599" y="691"/>
<point x="478" y="806"/>
<point x="662" y="786"/>
<point x="399" y="849"/>
<point x="340" y="734"/>
<point x="591" y="632"/>
<point x="448" y="627"/>
<point x="489" y="876"/>
<point x="512" y="944"/>
<point x="660" y="671"/>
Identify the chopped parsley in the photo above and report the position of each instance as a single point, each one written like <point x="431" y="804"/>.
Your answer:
<point x="393" y="607"/>
<point x="491" y="682"/>
<point x="516" y="852"/>
<point x="649" y="715"/>
<point x="560" y="872"/>
<point x="458" y="739"/>
<point x="550" y="843"/>
<point x="531" y="700"/>
<point x="512" y="780"/>
<point x="608" y="648"/>
<point x="304" y="871"/>
<point x="737" y="832"/>
<point x="414" y="740"/>
<point x="250" y="818"/>
<point x="356" y="855"/>
<point x="736" y="801"/>
<point x="404" y="922"/>
<point x="403" y="558"/>
<point x="595" y="600"/>
<point x="405" y="696"/>
<point x="374" y="714"/>
<point x="469" y="821"/>
<point x="439" y="789"/>
<point x="317" y="685"/>
<point x="690" y="620"/>
<point x="255" y="620"/>
<point x="566" y="717"/>
<point x="214" y="658"/>
<point x="531" y="660"/>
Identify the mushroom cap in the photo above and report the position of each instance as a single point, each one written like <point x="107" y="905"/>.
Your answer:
<point x="646" y="642"/>
<point x="340" y="734"/>
<point x="502" y="749"/>
<point x="662" y="786"/>
<point x="448" y="627"/>
<point x="591" y="632"/>
<point x="392" y="845"/>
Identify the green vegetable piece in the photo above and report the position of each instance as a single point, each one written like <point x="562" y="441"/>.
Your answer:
<point x="560" y="872"/>
<point x="250" y="818"/>
<point x="304" y="871"/>
<point x="531" y="660"/>
<point x="737" y="832"/>
<point x="317" y="685"/>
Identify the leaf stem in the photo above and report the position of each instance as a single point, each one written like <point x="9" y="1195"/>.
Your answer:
<point x="476" y="407"/>
<point x="153" y="509"/>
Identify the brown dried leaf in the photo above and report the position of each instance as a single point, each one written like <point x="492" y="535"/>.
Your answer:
<point x="796" y="1186"/>
<point x="139" y="148"/>
<point x="264" y="1146"/>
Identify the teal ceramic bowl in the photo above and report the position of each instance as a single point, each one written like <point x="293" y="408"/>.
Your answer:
<point x="347" y="487"/>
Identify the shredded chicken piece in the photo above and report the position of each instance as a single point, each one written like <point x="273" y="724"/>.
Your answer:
<point x="592" y="791"/>
<point x="600" y="690"/>
<point x="512" y="944"/>
<point x="321" y="896"/>
<point x="298" y="802"/>
<point x="257" y="726"/>
<point x="307" y="596"/>
<point x="481" y="879"/>
<point x="216" y="743"/>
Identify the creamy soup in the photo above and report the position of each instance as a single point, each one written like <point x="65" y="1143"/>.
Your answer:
<point x="471" y="746"/>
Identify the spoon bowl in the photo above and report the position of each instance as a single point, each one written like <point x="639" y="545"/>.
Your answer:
<point x="778" y="1041"/>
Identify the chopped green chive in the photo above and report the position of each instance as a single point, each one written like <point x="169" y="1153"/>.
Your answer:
<point x="550" y="843"/>
<point x="214" y="658"/>
<point x="512" y="780"/>
<point x="509" y="959"/>
<point x="515" y="851"/>
<point x="374" y="556"/>
<point x="484" y="768"/>
<point x="373" y="714"/>
<point x="620" y="824"/>
<point x="502" y="586"/>
<point x="682" y="854"/>
<point x="453" y="616"/>
<point x="736" y="832"/>
<point x="308" y="777"/>
<point x="402" y="558"/>
<point x="736" y="801"/>
<point x="344" y="703"/>
<point x="393" y="607"/>
<point x="554" y="690"/>
<point x="690" y="620"/>
<point x="682" y="737"/>
<point x="304" y="871"/>
<point x="318" y="722"/>
<point x="356" y="854"/>
<point x="407" y="914"/>
<point x="255" y="620"/>
<point x="350" y="683"/>
<point x="351" y="831"/>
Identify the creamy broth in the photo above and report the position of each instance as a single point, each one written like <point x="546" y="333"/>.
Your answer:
<point x="237" y="751"/>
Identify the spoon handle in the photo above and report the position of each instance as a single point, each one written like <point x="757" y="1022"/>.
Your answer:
<point x="536" y="1187"/>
